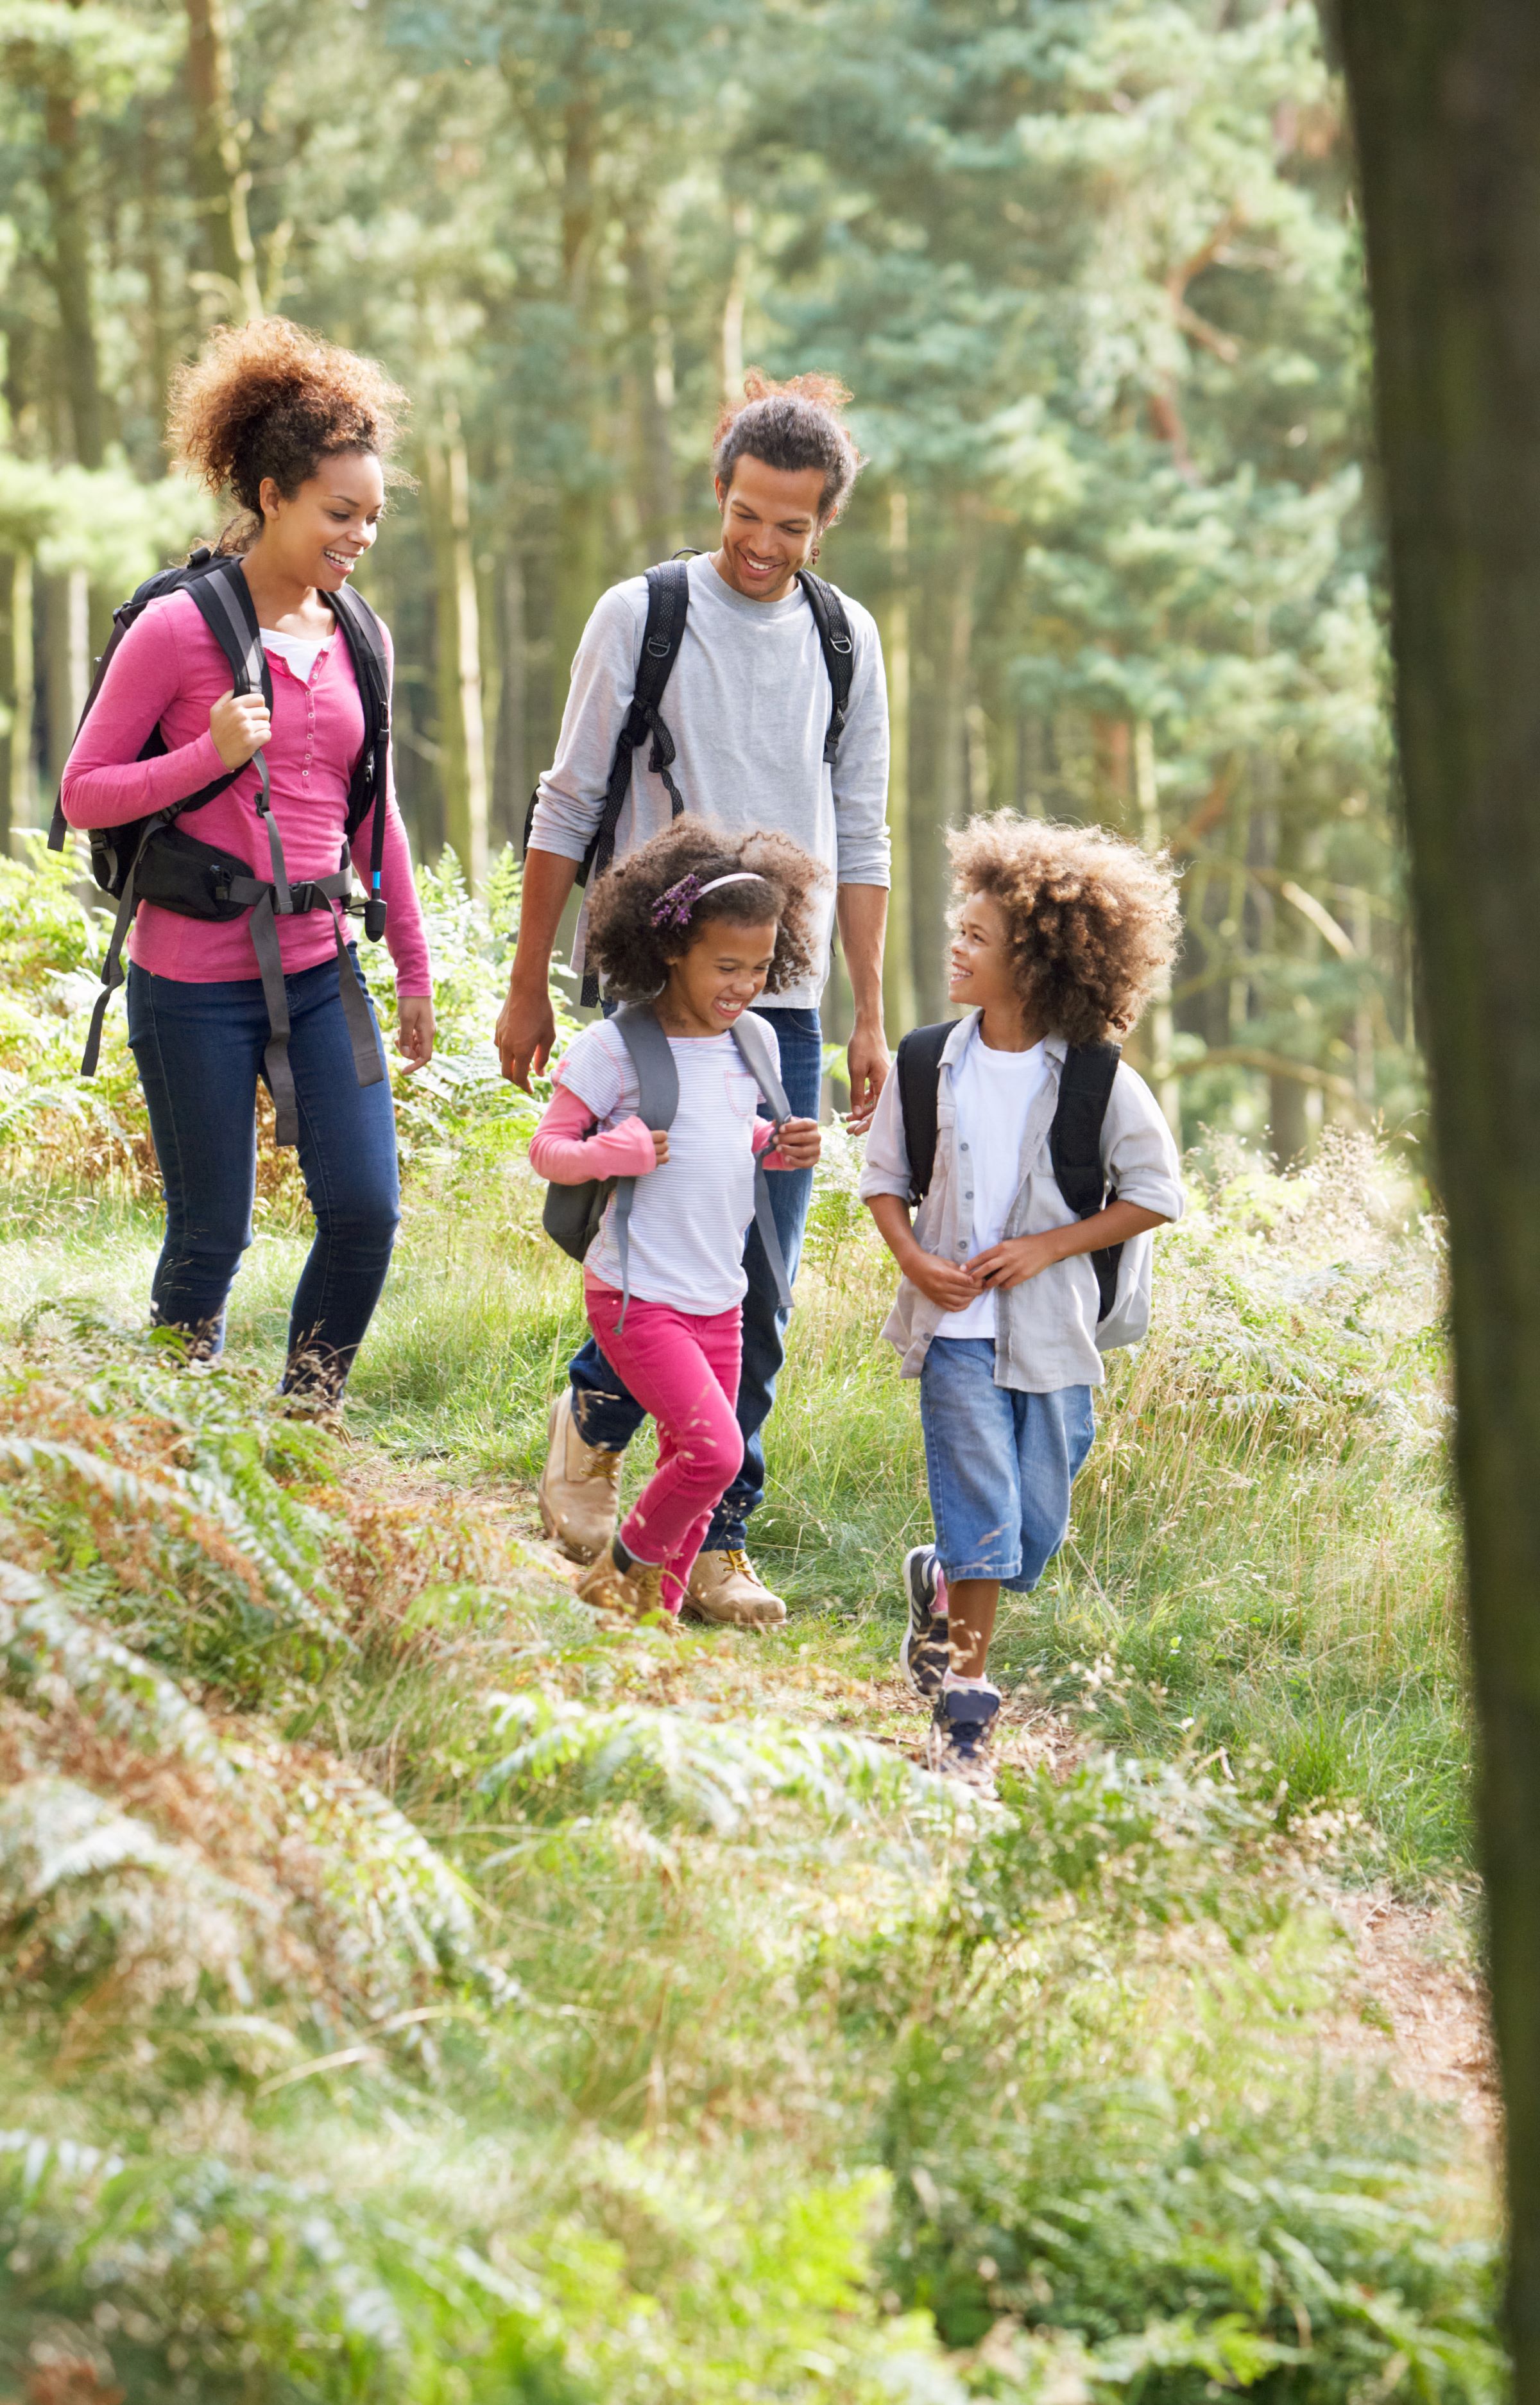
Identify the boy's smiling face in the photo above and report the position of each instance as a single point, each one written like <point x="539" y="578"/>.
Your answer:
<point x="980" y="966"/>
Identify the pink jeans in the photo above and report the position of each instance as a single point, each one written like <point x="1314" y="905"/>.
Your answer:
<point x="683" y="1370"/>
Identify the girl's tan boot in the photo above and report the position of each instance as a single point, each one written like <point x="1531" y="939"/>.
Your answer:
<point x="634" y="1594"/>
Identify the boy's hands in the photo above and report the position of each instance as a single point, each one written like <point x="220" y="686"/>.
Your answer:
<point x="1017" y="1258"/>
<point x="950" y="1287"/>
<point x="799" y="1143"/>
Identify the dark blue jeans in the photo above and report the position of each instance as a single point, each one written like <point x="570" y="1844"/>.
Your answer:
<point x="606" y="1412"/>
<point x="200" y="1054"/>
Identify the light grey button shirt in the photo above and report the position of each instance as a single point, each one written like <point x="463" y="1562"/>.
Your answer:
<point x="748" y="706"/>
<point x="1046" y="1333"/>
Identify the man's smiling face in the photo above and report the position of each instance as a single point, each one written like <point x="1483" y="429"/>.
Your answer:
<point x="769" y="524"/>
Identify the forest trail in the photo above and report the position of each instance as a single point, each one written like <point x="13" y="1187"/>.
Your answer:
<point x="1412" y="2005"/>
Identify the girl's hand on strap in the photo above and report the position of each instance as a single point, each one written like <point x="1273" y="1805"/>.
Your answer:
<point x="240" y="727"/>
<point x="660" y="1146"/>
<point x="798" y="1143"/>
<point x="414" y="1030"/>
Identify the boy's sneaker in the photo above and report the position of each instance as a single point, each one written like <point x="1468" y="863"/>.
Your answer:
<point x="961" y="1728"/>
<point x="926" y="1652"/>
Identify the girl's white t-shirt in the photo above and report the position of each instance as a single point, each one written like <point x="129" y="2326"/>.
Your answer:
<point x="993" y="1093"/>
<point x="688" y="1219"/>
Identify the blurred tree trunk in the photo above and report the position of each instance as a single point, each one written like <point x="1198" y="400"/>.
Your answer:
<point x="897" y="965"/>
<point x="462" y="740"/>
<point x="930" y="876"/>
<point x="69" y="263"/>
<point x="66" y="661"/>
<point x="1164" y="1083"/>
<point x="218" y="172"/>
<point x="1446" y="98"/>
<point x="1288" y="1117"/>
<point x="20" y="683"/>
<point x="652" y="346"/>
<point x="580" y="516"/>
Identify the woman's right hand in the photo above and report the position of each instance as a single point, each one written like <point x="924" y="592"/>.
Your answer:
<point x="240" y="727"/>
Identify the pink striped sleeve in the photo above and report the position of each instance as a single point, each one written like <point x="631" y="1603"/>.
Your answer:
<point x="105" y="782"/>
<point x="565" y="1152"/>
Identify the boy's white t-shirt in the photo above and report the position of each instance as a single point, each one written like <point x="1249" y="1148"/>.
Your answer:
<point x="688" y="1219"/>
<point x="993" y="1092"/>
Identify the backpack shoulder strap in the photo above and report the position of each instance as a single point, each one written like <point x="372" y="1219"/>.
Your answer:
<point x="1074" y="1144"/>
<point x="657" y="1079"/>
<point x="918" y="1069"/>
<point x="365" y="640"/>
<point x="223" y="600"/>
<point x="839" y="651"/>
<point x="754" y="1048"/>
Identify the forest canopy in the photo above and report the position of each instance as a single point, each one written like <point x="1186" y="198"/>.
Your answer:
<point x="1091" y="268"/>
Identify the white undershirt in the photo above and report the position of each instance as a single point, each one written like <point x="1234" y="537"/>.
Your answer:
<point x="993" y="1092"/>
<point x="299" y="652"/>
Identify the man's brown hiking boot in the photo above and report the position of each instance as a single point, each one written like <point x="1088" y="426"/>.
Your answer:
<point x="634" y="1594"/>
<point x="728" y="1591"/>
<point x="580" y="1487"/>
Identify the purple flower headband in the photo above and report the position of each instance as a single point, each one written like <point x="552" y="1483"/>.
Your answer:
<point x="673" y="909"/>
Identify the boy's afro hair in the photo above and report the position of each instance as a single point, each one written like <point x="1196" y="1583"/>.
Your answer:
<point x="1093" y="922"/>
<point x="633" y="956"/>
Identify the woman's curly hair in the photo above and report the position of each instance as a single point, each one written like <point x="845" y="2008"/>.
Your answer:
<point x="1092" y="921"/>
<point x="270" y="400"/>
<point x="633" y="956"/>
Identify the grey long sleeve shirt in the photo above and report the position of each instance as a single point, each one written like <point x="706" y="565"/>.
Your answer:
<point x="1047" y="1334"/>
<point x="748" y="706"/>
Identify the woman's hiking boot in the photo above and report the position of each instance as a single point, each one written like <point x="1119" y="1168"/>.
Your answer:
<point x="925" y="1656"/>
<point x="962" y="1730"/>
<point x="630" y="1592"/>
<point x="580" y="1488"/>
<point x="727" y="1591"/>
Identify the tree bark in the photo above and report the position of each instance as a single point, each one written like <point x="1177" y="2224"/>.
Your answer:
<point x="581" y="514"/>
<point x="652" y="346"/>
<point x="931" y="879"/>
<point x="462" y="739"/>
<point x="20" y="685"/>
<point x="219" y="178"/>
<point x="1446" y="100"/>
<point x="1288" y="1119"/>
<point x="1162" y="1022"/>
<point x="898" y="960"/>
<point x="70" y="267"/>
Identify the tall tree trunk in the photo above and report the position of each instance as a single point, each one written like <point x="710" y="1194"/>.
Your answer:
<point x="512" y="778"/>
<point x="69" y="268"/>
<point x="462" y="740"/>
<point x="1165" y="1085"/>
<point x="1288" y="1098"/>
<point x="652" y="356"/>
<point x="581" y="514"/>
<point x="1445" y="97"/>
<point x="219" y="178"/>
<point x="20" y="685"/>
<point x="898" y="960"/>
<point x="66" y="661"/>
<point x="733" y="307"/>
<point x="930" y="877"/>
<point x="161" y="346"/>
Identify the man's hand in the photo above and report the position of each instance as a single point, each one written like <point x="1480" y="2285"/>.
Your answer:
<point x="1017" y="1258"/>
<point x="949" y="1287"/>
<point x="414" y="1030"/>
<point x="240" y="727"/>
<point x="868" y="1064"/>
<point x="526" y="1033"/>
<point x="799" y="1142"/>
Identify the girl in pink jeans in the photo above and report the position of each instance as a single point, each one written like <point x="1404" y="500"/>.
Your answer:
<point x="699" y="923"/>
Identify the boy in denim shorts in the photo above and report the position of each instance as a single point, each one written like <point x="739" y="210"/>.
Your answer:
<point x="1012" y="1288"/>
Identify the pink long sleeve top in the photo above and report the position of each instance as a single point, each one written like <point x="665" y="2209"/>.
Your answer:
<point x="565" y="1150"/>
<point x="168" y="672"/>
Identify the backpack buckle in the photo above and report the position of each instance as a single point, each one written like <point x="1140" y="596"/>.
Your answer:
<point x="659" y="650"/>
<point x="841" y="643"/>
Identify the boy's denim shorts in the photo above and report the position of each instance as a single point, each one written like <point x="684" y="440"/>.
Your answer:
<point x="1000" y="1464"/>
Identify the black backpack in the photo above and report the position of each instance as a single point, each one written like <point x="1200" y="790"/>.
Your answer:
<point x="151" y="859"/>
<point x="573" y="1213"/>
<point x="1074" y="1141"/>
<point x="667" y="608"/>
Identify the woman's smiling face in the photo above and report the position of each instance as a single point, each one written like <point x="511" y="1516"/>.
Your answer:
<point x="320" y="533"/>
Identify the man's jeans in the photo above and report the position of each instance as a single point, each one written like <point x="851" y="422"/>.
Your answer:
<point x="200" y="1048"/>
<point x="607" y="1415"/>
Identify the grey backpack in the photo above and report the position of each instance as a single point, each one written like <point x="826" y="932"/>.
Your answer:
<point x="573" y="1213"/>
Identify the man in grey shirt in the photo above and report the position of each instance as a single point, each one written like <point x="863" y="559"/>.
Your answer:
<point x="748" y="706"/>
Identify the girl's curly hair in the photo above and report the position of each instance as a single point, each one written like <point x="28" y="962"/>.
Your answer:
<point x="633" y="956"/>
<point x="270" y="400"/>
<point x="1092" y="921"/>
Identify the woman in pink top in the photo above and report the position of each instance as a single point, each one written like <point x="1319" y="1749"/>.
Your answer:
<point x="300" y="431"/>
